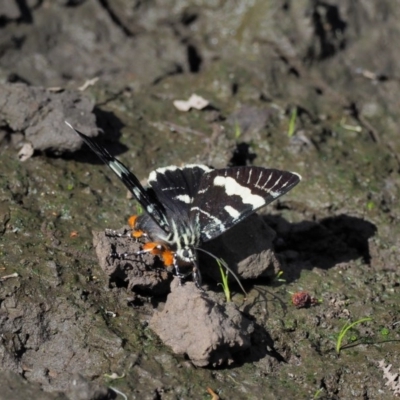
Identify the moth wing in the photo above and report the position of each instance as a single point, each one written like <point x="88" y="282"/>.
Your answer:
<point x="176" y="187"/>
<point x="146" y="198"/>
<point x="227" y="196"/>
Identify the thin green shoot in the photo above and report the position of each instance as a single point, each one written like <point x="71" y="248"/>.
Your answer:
<point x="318" y="393"/>
<point x="353" y="128"/>
<point x="225" y="265"/>
<point x="278" y="277"/>
<point x="225" y="281"/>
<point x="238" y="130"/>
<point x="292" y="122"/>
<point x="345" y="329"/>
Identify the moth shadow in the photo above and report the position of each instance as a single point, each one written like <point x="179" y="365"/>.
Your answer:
<point x="323" y="244"/>
<point x="110" y="127"/>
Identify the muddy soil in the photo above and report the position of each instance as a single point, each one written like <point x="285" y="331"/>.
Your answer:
<point x="305" y="86"/>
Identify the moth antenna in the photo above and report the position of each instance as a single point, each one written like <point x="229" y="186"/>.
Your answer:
<point x="225" y="265"/>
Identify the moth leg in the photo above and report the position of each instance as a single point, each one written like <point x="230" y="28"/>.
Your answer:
<point x="153" y="248"/>
<point x="178" y="273"/>
<point x="113" y="233"/>
<point x="196" y="276"/>
<point x="135" y="233"/>
<point x="121" y="256"/>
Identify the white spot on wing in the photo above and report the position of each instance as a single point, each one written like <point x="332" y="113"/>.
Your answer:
<point x="285" y="184"/>
<point x="118" y="168"/>
<point x="232" y="212"/>
<point x="258" y="180"/>
<point x="251" y="172"/>
<point x="69" y="125"/>
<point x="233" y="188"/>
<point x="153" y="174"/>
<point x="184" y="198"/>
<point x="136" y="192"/>
<point x="274" y="194"/>
<point x="266" y="183"/>
<point x="277" y="182"/>
<point x="298" y="175"/>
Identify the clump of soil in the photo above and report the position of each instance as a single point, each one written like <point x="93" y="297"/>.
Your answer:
<point x="38" y="115"/>
<point x="142" y="273"/>
<point x="195" y="323"/>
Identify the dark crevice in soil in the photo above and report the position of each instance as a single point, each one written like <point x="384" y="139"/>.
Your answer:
<point x="188" y="18"/>
<point x="242" y="155"/>
<point x="114" y="17"/>
<point x="194" y="59"/>
<point x="15" y="78"/>
<point x="235" y="88"/>
<point x="178" y="69"/>
<point x="74" y="3"/>
<point x="26" y="15"/>
<point x="329" y="29"/>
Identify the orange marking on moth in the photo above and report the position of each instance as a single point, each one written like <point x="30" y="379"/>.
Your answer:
<point x="167" y="257"/>
<point x="132" y="221"/>
<point x="160" y="250"/>
<point x="137" y="234"/>
<point x="153" y="248"/>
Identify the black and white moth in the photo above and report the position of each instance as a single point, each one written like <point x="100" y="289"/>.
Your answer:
<point x="187" y="206"/>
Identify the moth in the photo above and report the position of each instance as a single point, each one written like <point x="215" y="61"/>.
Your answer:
<point x="190" y="205"/>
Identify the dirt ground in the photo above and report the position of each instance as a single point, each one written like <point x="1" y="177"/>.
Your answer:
<point x="307" y="86"/>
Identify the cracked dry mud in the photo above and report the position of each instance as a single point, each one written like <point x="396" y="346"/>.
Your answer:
<point x="72" y="327"/>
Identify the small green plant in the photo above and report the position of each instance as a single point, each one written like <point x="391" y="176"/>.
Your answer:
<point x="221" y="264"/>
<point x="238" y="131"/>
<point x="385" y="332"/>
<point x="225" y="281"/>
<point x="345" y="329"/>
<point x="278" y="277"/>
<point x="318" y="393"/>
<point x="292" y="122"/>
<point x="370" y="205"/>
